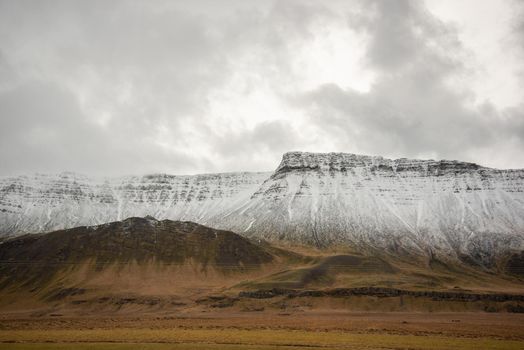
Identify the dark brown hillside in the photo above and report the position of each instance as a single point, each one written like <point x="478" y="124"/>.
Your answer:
<point x="37" y="258"/>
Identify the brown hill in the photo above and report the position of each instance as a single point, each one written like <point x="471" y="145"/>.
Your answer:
<point x="146" y="265"/>
<point x="139" y="256"/>
<point x="36" y="258"/>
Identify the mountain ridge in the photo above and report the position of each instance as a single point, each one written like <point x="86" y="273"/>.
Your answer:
<point x="450" y="209"/>
<point x="353" y="160"/>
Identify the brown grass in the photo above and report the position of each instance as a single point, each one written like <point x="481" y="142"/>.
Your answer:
<point x="226" y="337"/>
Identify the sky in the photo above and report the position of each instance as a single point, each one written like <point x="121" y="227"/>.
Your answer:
<point x="183" y="87"/>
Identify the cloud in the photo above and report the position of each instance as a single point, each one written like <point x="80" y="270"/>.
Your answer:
<point x="137" y="79"/>
<point x="518" y="37"/>
<point x="42" y="124"/>
<point x="127" y="87"/>
<point x="259" y="148"/>
<point x="413" y="108"/>
<point x="396" y="29"/>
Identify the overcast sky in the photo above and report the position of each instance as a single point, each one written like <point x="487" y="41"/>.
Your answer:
<point x="135" y="87"/>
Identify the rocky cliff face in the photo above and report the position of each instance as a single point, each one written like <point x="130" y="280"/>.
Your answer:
<point x="437" y="208"/>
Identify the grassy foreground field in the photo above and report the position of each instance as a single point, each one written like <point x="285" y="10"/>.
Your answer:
<point x="240" y="339"/>
<point x="264" y="331"/>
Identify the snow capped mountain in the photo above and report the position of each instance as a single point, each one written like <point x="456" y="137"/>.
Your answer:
<point x="42" y="203"/>
<point x="431" y="207"/>
<point x="438" y="208"/>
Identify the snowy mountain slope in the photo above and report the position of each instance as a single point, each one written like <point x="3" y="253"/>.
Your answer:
<point x="431" y="207"/>
<point x="443" y="208"/>
<point x="43" y="203"/>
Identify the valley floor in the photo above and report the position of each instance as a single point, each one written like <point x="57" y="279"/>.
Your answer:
<point x="314" y="329"/>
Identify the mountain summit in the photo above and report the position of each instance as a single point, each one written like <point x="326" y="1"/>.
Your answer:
<point x="448" y="209"/>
